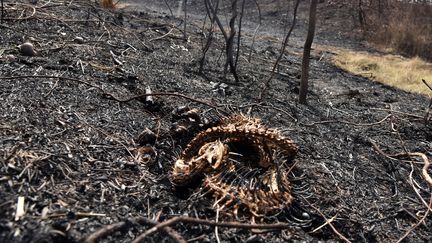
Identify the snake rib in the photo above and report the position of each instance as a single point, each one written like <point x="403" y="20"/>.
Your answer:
<point x="231" y="177"/>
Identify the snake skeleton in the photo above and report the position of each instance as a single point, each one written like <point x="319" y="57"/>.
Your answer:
<point x="239" y="161"/>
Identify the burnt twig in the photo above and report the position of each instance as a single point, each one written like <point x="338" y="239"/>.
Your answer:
<point x="349" y="123"/>
<point x="329" y="222"/>
<point x="426" y="162"/>
<point x="285" y="43"/>
<point x="418" y="223"/>
<point x="109" y="229"/>
<point x="169" y="8"/>
<point x="109" y="95"/>
<point x="190" y="220"/>
<point x="166" y="94"/>
<point x="424" y="81"/>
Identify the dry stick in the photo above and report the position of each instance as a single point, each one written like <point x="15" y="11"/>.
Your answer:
<point x="426" y="165"/>
<point x="118" y="99"/>
<point x="168" y="94"/>
<point x="13" y="151"/>
<point x="285" y="43"/>
<point x="26" y="18"/>
<point x="412" y="167"/>
<point x="108" y="229"/>
<point x="418" y="223"/>
<point x="328" y="221"/>
<point x="104" y="231"/>
<point x="350" y="123"/>
<point x="163" y="36"/>
<point x="411" y="182"/>
<point x="169" y="8"/>
<point x="184" y="219"/>
<point x="397" y="112"/>
<point x="424" y="81"/>
<point x="426" y="162"/>
<point x="216" y="228"/>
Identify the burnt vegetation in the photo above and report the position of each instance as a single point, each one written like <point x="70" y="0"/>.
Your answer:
<point x="99" y="99"/>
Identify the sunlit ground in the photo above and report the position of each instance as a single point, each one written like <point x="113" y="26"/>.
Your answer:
<point x="397" y="71"/>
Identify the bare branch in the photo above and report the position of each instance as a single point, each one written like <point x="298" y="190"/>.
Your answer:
<point x="190" y="220"/>
<point x="285" y="43"/>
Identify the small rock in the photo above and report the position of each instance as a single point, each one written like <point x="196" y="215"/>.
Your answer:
<point x="27" y="49"/>
<point x="79" y="40"/>
<point x="305" y="215"/>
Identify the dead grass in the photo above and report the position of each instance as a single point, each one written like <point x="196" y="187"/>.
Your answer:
<point x="397" y="71"/>
<point x="403" y="27"/>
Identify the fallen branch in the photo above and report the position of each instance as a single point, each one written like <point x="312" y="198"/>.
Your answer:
<point x="426" y="165"/>
<point x="397" y="112"/>
<point x="109" y="229"/>
<point x="190" y="220"/>
<point x="426" y="162"/>
<point x="20" y="18"/>
<point x="350" y="123"/>
<point x="418" y="223"/>
<point x="109" y="95"/>
<point x="329" y="222"/>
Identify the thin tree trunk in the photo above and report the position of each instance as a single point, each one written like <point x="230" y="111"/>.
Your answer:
<point x="306" y="52"/>
<point x="230" y="41"/>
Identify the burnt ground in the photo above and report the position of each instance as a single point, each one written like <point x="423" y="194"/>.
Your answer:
<point x="67" y="146"/>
